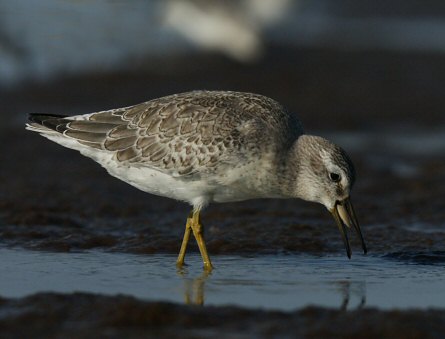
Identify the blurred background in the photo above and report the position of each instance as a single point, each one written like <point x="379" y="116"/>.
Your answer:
<point x="344" y="64"/>
<point x="370" y="75"/>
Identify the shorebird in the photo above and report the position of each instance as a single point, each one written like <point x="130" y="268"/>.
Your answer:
<point x="202" y="147"/>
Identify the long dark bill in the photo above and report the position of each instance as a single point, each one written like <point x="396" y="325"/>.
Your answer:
<point x="350" y="210"/>
<point x="344" y="215"/>
<point x="342" y="229"/>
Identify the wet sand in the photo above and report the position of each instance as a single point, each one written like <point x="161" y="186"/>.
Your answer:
<point x="54" y="199"/>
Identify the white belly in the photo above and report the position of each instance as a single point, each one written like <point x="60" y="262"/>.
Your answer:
<point x="198" y="192"/>
<point x="231" y="184"/>
<point x="155" y="182"/>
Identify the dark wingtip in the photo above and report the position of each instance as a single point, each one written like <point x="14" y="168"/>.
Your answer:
<point x="40" y="117"/>
<point x="51" y="121"/>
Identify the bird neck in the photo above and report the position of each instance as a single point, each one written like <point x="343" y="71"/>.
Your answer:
<point x="287" y="170"/>
<point x="293" y="163"/>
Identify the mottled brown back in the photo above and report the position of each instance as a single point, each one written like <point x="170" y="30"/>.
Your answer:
<point x="187" y="133"/>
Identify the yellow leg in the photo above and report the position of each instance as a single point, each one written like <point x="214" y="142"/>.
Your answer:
<point x="185" y="240"/>
<point x="198" y="233"/>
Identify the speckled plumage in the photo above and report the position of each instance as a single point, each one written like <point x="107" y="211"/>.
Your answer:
<point x="186" y="133"/>
<point x="210" y="146"/>
<point x="189" y="135"/>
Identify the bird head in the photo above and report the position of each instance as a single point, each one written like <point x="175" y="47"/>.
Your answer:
<point x="326" y="175"/>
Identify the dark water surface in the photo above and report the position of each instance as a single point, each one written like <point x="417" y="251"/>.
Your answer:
<point x="280" y="282"/>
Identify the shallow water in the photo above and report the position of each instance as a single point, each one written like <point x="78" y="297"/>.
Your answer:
<point x="271" y="282"/>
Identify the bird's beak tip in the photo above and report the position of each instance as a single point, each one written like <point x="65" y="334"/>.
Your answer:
<point x="344" y="216"/>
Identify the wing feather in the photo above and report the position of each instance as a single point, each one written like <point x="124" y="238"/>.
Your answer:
<point x="184" y="134"/>
<point x="120" y="144"/>
<point x="107" y="117"/>
<point x="87" y="126"/>
<point x="85" y="136"/>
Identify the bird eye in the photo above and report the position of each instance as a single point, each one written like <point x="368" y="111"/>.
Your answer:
<point x="335" y="177"/>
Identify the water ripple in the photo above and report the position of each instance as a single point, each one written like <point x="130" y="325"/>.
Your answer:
<point x="420" y="258"/>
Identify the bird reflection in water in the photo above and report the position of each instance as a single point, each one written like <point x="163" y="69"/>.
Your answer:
<point x="194" y="293"/>
<point x="194" y="290"/>
<point x="349" y="289"/>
